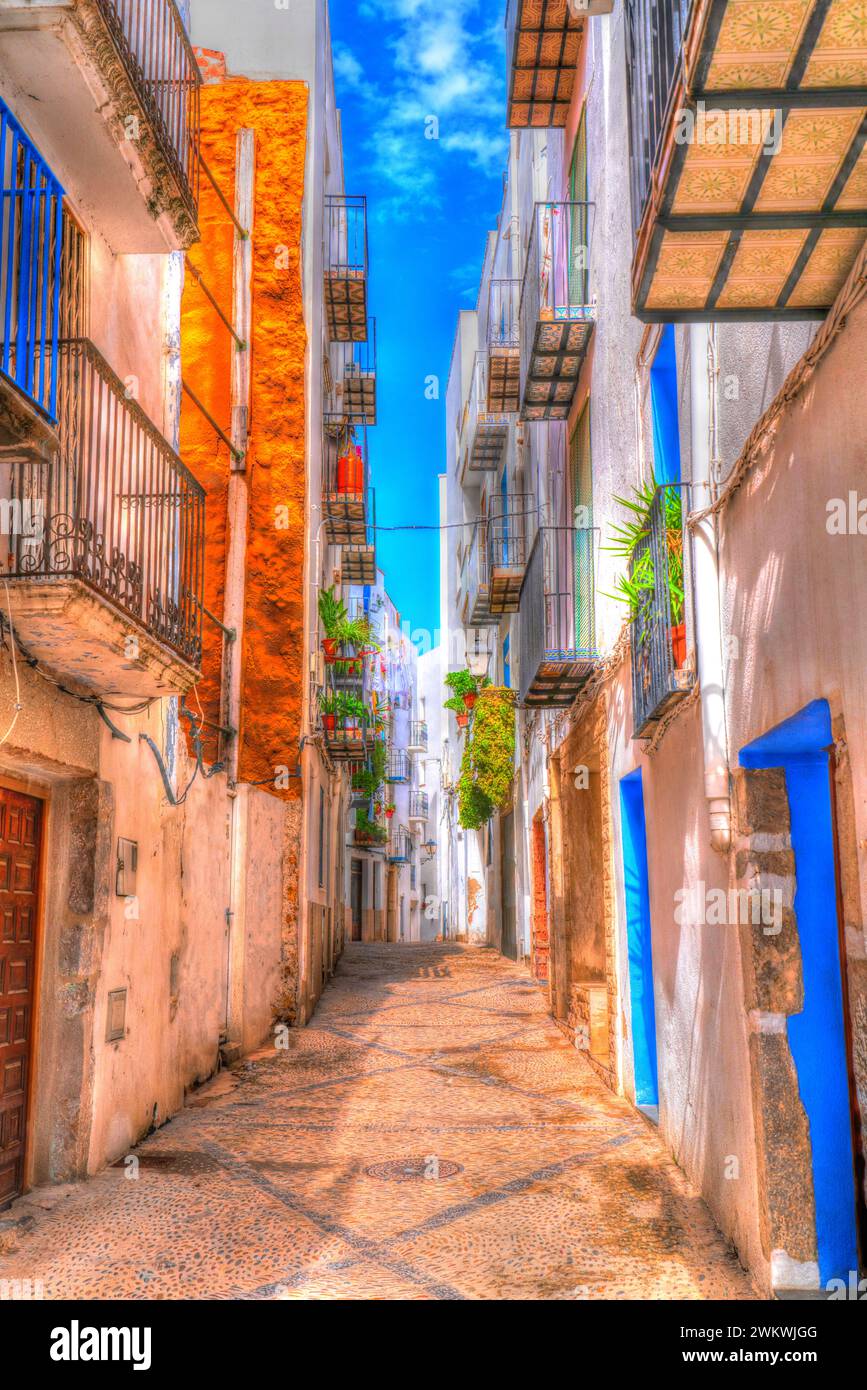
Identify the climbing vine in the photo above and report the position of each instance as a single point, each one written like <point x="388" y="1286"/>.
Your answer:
<point x="488" y="758"/>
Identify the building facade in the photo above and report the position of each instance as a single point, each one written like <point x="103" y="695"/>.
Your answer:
<point x="187" y="379"/>
<point x="670" y="321"/>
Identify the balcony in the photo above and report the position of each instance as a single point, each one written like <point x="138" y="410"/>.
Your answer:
<point x="345" y="719"/>
<point x="109" y="90"/>
<point x="504" y="347"/>
<point x="556" y="318"/>
<point x="558" y="636"/>
<point x="748" y="168"/>
<point x="660" y="675"/>
<point x="346" y="491"/>
<point x="358" y="558"/>
<point x="477" y="611"/>
<point x="399" y="845"/>
<point x="399" y="767"/>
<point x="487" y="433"/>
<point x="511" y="526"/>
<point x="354" y="394"/>
<point x="543" y="39"/>
<point x="417" y="736"/>
<point x="346" y="268"/>
<point x="105" y="544"/>
<point x="360" y="606"/>
<point x="419" y="808"/>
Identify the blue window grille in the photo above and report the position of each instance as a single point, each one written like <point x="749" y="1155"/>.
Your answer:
<point x="31" y="235"/>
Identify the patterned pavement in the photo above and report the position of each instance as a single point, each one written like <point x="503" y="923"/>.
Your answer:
<point x="430" y="1135"/>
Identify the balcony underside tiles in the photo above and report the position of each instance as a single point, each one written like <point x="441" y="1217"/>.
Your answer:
<point x="479" y="612"/>
<point x="504" y="380"/>
<point x="559" y="678"/>
<point x="489" y="441"/>
<point x="359" y="397"/>
<point x="505" y="588"/>
<point x="543" y="63"/>
<point x="753" y="218"/>
<point x="346" y="305"/>
<point x="358" y="564"/>
<point x="345" y="518"/>
<point x="345" y="745"/>
<point x="558" y="351"/>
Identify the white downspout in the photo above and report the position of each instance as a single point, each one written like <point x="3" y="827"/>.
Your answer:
<point x="708" y="619"/>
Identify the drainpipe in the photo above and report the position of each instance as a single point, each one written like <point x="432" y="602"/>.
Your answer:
<point x="705" y="556"/>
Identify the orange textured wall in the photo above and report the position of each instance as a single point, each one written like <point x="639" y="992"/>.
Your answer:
<point x="272" y="641"/>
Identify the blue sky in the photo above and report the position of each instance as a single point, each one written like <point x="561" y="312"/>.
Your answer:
<point x="431" y="203"/>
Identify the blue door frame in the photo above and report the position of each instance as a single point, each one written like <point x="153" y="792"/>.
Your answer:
<point x="639" y="943"/>
<point x="816" y="1035"/>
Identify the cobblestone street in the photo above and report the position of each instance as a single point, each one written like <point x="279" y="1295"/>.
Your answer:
<point x="430" y="1135"/>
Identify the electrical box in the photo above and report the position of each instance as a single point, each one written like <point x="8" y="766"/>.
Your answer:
<point x="115" y="1019"/>
<point x="127" y="867"/>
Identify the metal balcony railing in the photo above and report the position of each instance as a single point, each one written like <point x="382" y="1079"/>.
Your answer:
<point x="345" y="484"/>
<point x="399" y="845"/>
<point x="31" y="238"/>
<point x="419" y="806"/>
<point x="511" y="527"/>
<point x="655" y="31"/>
<point x="418" y="736"/>
<point x="345" y="717"/>
<point x="355" y="396"/>
<point x="398" y="767"/>
<point x="359" y="606"/>
<point x="558" y="628"/>
<point x="487" y="432"/>
<point x="556" y="318"/>
<point x="358" y="558"/>
<point x="117" y="509"/>
<point x="346" y="266"/>
<point x="152" y="44"/>
<point x="504" y="339"/>
<point x="476" y="580"/>
<point x="659" y="674"/>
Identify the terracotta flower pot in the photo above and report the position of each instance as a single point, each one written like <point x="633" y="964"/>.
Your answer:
<point x="463" y="720"/>
<point x="329" y="647"/>
<point x="678" y="645"/>
<point x="389" y="814"/>
<point x="329" y="723"/>
<point x="470" y="700"/>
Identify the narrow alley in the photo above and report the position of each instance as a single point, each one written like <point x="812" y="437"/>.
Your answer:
<point x="430" y="1135"/>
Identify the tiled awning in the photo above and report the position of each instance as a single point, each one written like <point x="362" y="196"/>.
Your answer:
<point x="757" y="197"/>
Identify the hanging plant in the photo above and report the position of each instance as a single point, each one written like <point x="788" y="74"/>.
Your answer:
<point x="493" y="743"/>
<point x="461" y="683"/>
<point x="474" y="807"/>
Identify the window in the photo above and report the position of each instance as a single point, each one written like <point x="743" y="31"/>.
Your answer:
<point x="321" y="837"/>
<point x="581" y="480"/>
<point x="579" y="222"/>
<point x="507" y="666"/>
<point x="663" y="407"/>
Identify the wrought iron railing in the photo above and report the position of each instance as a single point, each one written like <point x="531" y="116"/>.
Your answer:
<point x="418" y="736"/>
<point x="655" y="32"/>
<point x="346" y="467"/>
<point x="555" y="283"/>
<point x="486" y="430"/>
<point x="398" y="768"/>
<point x="153" y="46"/>
<point x="399" y="845"/>
<point x="511" y="527"/>
<point x="504" y="298"/>
<point x="117" y="509"/>
<point x="476" y="578"/>
<point x="346" y="235"/>
<point x="419" y="806"/>
<point x="359" y="606"/>
<point x="558" y="607"/>
<point x="658" y="630"/>
<point x="31" y="237"/>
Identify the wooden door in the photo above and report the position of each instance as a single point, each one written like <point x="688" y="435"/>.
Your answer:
<point x="20" y="836"/>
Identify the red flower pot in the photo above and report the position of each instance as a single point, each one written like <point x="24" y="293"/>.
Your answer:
<point x="329" y="647"/>
<point x="678" y="645"/>
<point x="389" y="814"/>
<point x="329" y="723"/>
<point x="469" y="700"/>
<point x="463" y="720"/>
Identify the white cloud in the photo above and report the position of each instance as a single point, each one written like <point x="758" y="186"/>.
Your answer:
<point x="443" y="67"/>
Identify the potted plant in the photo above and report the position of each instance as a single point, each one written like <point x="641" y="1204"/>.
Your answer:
<point x="367" y="832"/>
<point x="637" y="587"/>
<point x="332" y="616"/>
<point x="390" y="810"/>
<point x="459" y="709"/>
<point x="463" y="684"/>
<point x="330" y="709"/>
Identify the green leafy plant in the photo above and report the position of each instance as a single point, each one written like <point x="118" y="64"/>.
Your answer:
<point x="628" y="541"/>
<point x="367" y="829"/>
<point x="456" y="703"/>
<point x="461" y="683"/>
<point x="332" y="613"/>
<point x="474" y="807"/>
<point x="487" y="762"/>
